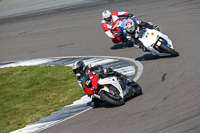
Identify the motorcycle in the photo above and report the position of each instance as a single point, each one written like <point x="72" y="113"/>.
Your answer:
<point x="157" y="43"/>
<point x="108" y="88"/>
<point x="153" y="41"/>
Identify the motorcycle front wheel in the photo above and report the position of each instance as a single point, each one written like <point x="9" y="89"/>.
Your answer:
<point x="169" y="50"/>
<point x="114" y="100"/>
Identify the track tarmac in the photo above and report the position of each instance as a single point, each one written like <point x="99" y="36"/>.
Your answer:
<point x="170" y="103"/>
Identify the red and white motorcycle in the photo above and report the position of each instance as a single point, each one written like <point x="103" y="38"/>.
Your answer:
<point x="109" y="88"/>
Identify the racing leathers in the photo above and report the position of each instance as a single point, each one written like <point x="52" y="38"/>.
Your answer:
<point x="111" y="28"/>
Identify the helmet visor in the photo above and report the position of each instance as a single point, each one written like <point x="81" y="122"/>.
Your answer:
<point x="131" y="29"/>
<point x="108" y="19"/>
<point x="77" y="70"/>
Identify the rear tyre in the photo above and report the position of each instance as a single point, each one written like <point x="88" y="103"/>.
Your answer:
<point x="138" y="89"/>
<point x="106" y="96"/>
<point x="169" y="50"/>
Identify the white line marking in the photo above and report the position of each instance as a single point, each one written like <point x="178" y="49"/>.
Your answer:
<point x="28" y="63"/>
<point x="100" y="62"/>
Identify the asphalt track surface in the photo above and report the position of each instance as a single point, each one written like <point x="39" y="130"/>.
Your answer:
<point x="170" y="103"/>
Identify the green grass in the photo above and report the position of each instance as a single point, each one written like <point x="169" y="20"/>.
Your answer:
<point x="29" y="93"/>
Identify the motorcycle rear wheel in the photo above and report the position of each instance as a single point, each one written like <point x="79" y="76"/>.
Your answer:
<point x="138" y="88"/>
<point x="116" y="102"/>
<point x="169" y="50"/>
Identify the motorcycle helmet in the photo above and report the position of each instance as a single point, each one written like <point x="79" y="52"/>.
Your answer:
<point x="107" y="16"/>
<point x="130" y="25"/>
<point x="78" y="68"/>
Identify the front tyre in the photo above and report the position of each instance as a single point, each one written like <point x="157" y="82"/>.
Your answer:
<point x="108" y="98"/>
<point x="169" y="50"/>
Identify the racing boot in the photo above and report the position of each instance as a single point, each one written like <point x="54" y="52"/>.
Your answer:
<point x="96" y="102"/>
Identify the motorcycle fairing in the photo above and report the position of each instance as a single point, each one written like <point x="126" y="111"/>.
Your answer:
<point x="150" y="38"/>
<point x="111" y="81"/>
<point x="88" y="86"/>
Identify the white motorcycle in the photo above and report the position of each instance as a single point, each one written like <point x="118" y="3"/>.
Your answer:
<point x="157" y="43"/>
<point x="109" y="88"/>
<point x="153" y="40"/>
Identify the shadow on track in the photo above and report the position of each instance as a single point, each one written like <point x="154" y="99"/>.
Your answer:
<point x="108" y="105"/>
<point x="149" y="57"/>
<point x="103" y="105"/>
<point x="121" y="46"/>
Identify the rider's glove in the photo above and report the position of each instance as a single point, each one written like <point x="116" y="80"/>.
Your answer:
<point x="108" y="71"/>
<point x="157" y="28"/>
<point x="118" y="34"/>
<point x="100" y="70"/>
<point x="123" y="77"/>
<point x="130" y="15"/>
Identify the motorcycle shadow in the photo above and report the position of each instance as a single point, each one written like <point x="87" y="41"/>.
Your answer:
<point x="121" y="46"/>
<point x="103" y="105"/>
<point x="108" y="105"/>
<point x="149" y="57"/>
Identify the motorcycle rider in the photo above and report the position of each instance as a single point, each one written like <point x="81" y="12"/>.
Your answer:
<point x="80" y="68"/>
<point x="133" y="28"/>
<point x="110" y="23"/>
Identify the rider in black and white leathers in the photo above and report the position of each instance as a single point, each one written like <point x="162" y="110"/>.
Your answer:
<point x="80" y="68"/>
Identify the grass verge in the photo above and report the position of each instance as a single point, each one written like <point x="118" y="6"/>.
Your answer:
<point x="28" y="93"/>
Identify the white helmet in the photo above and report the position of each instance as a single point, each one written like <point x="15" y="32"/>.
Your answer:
<point x="78" y="68"/>
<point x="107" y="16"/>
